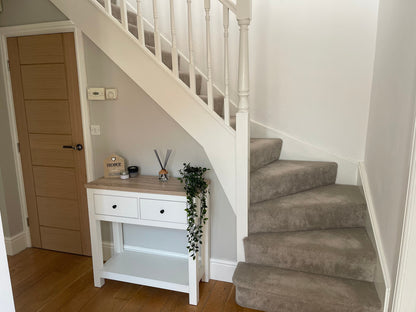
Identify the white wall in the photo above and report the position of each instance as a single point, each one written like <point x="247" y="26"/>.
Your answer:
<point x="391" y="121"/>
<point x="311" y="70"/>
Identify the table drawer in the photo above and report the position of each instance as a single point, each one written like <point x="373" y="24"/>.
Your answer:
<point x="163" y="210"/>
<point x="116" y="205"/>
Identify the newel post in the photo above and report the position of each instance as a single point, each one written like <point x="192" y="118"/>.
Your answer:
<point x="243" y="128"/>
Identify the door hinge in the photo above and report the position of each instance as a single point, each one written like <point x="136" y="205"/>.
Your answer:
<point x="18" y="147"/>
<point x="8" y="64"/>
<point x="27" y="221"/>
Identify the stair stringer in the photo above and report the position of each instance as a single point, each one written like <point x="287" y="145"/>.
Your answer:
<point x="170" y="93"/>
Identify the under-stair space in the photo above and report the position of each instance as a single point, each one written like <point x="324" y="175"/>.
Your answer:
<point x="305" y="245"/>
<point x="307" y="248"/>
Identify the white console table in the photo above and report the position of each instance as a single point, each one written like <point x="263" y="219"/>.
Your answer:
<point x="144" y="201"/>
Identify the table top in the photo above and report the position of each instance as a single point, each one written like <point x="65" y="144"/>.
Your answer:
<point x="140" y="184"/>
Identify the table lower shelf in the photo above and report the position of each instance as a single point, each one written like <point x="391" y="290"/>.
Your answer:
<point x="148" y="269"/>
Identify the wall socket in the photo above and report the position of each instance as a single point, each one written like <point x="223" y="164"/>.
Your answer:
<point x="95" y="130"/>
<point x="96" y="94"/>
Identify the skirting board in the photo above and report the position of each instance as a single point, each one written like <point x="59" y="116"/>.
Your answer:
<point x="220" y="270"/>
<point x="377" y="237"/>
<point x="15" y="244"/>
<point x="297" y="149"/>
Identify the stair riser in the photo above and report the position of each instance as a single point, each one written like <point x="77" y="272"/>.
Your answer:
<point x="131" y="16"/>
<point x="263" y="152"/>
<point x="148" y="36"/>
<point x="198" y="81"/>
<point x="311" y="261"/>
<point x="274" y="303"/>
<point x="166" y="57"/>
<point x="306" y="218"/>
<point x="269" y="187"/>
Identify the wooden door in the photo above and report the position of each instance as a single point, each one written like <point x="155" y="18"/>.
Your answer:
<point x="47" y="105"/>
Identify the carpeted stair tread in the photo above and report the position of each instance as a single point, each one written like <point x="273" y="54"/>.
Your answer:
<point x="326" y="207"/>
<point x="285" y="177"/>
<point x="148" y="35"/>
<point x="198" y="81"/>
<point x="218" y="104"/>
<point x="277" y="290"/>
<point x="132" y="23"/>
<point x="131" y="16"/>
<point x="344" y="253"/>
<point x="264" y="151"/>
<point x="166" y="56"/>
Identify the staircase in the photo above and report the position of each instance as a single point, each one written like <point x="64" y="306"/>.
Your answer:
<point x="307" y="248"/>
<point x="301" y="240"/>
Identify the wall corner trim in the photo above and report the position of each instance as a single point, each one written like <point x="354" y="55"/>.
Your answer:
<point x="376" y="231"/>
<point x="15" y="244"/>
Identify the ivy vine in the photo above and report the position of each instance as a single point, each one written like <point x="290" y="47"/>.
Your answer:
<point x="195" y="187"/>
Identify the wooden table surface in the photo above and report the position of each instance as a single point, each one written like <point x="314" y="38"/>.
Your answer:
<point x="140" y="184"/>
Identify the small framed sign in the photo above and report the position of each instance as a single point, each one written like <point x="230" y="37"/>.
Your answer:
<point x="113" y="165"/>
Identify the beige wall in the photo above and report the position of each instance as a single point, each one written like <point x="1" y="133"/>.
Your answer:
<point x="19" y="12"/>
<point x="392" y="113"/>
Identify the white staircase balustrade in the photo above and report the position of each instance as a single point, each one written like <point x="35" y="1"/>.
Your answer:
<point x="140" y="27"/>
<point x="200" y="120"/>
<point x="175" y="66"/>
<point x="226" y="23"/>
<point x="192" y="82"/>
<point x="158" y="48"/>
<point x="207" y="5"/>
<point x="123" y="13"/>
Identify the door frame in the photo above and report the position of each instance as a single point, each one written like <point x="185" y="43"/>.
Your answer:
<point x="404" y="298"/>
<point x="43" y="29"/>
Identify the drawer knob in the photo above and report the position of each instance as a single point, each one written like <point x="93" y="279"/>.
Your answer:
<point x="114" y="206"/>
<point x="162" y="211"/>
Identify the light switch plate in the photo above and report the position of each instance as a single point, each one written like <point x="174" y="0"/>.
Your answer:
<point x="95" y="130"/>
<point x="96" y="94"/>
<point x="111" y="93"/>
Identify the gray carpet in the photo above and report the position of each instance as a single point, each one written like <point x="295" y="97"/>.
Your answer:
<point x="307" y="249"/>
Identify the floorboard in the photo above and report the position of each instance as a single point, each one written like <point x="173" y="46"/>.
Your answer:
<point x="48" y="281"/>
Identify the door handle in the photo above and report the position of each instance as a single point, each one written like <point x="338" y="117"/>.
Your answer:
<point x="77" y="147"/>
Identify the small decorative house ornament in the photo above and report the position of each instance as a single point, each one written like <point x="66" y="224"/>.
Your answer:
<point x="113" y="166"/>
<point x="163" y="173"/>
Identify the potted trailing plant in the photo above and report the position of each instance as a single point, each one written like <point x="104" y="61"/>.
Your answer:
<point x="195" y="187"/>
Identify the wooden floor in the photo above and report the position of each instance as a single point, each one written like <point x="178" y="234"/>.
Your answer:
<point x="44" y="280"/>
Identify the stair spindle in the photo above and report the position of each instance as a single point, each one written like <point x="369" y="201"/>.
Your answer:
<point x="140" y="28"/>
<point x="123" y="13"/>
<point x="107" y="6"/>
<point x="175" y="66"/>
<point x="192" y="82"/>
<point x="226" y="15"/>
<point x="209" y="60"/>
<point x="158" y="49"/>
